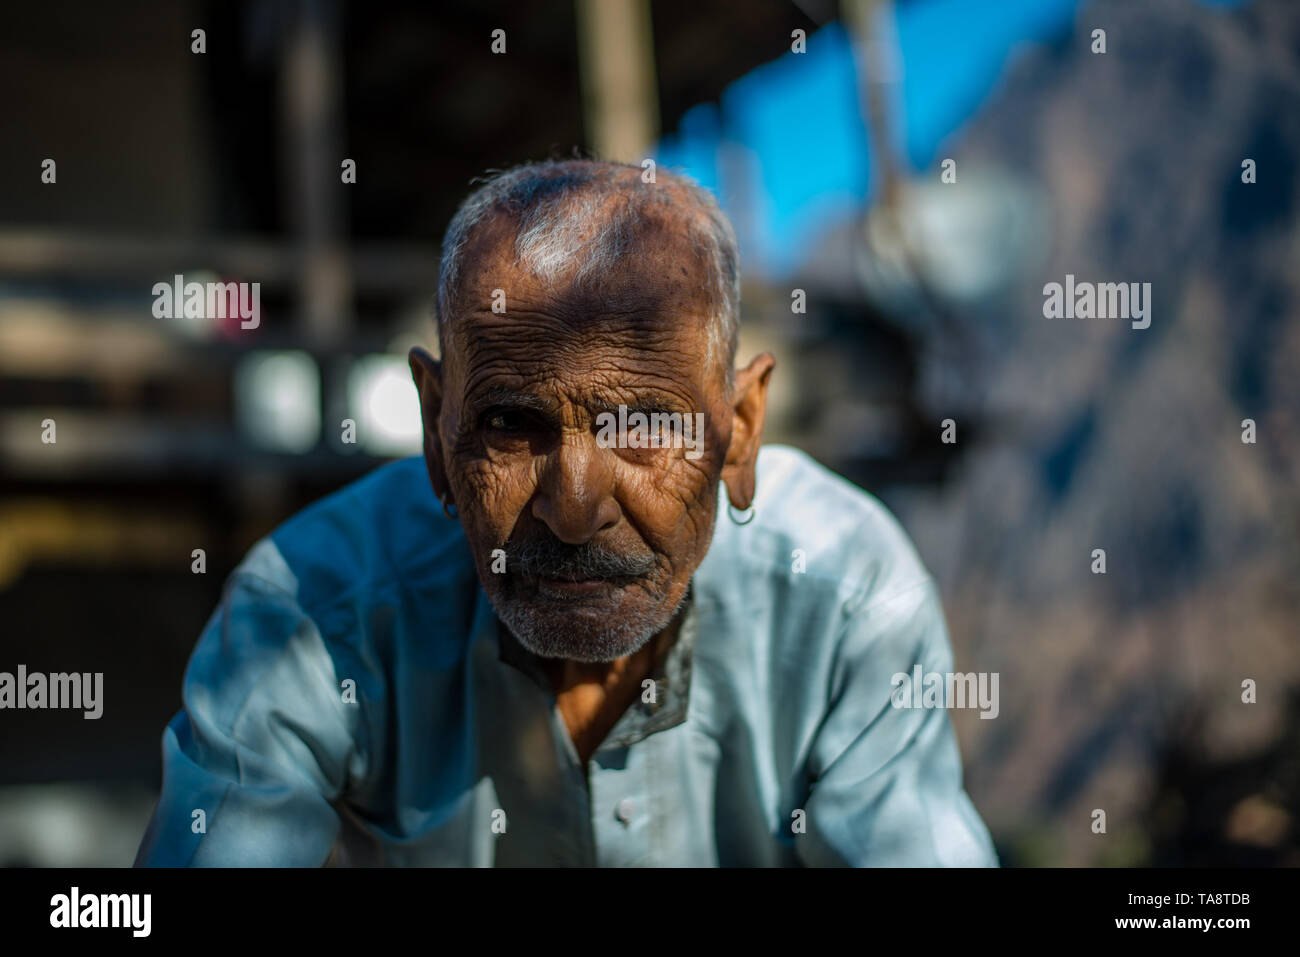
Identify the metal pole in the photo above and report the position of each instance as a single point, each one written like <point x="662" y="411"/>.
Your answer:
<point x="620" y="102"/>
<point x="311" y="103"/>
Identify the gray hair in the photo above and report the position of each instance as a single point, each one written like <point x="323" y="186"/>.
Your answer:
<point x="578" y="217"/>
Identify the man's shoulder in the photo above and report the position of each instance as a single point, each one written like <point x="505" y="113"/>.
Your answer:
<point x="809" y="521"/>
<point x="382" y="530"/>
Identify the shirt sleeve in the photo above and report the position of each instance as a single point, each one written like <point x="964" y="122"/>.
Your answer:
<point x="263" y="744"/>
<point x="886" y="786"/>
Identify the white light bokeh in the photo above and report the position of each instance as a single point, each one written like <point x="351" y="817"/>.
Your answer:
<point x="383" y="400"/>
<point x="277" y="400"/>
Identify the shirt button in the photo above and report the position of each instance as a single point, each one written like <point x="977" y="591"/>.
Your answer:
<point x="624" y="810"/>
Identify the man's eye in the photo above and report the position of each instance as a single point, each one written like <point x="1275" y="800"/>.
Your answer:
<point x="653" y="430"/>
<point x="505" y="421"/>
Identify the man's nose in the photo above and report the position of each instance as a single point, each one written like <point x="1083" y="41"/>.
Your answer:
<point x="575" y="496"/>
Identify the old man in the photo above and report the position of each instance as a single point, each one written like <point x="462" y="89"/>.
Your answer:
<point x="543" y="642"/>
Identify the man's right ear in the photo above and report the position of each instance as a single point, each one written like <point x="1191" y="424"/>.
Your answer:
<point x="427" y="373"/>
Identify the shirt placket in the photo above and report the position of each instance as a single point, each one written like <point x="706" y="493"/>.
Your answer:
<point x="625" y="795"/>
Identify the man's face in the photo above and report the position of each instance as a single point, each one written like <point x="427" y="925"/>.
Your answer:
<point x="600" y="541"/>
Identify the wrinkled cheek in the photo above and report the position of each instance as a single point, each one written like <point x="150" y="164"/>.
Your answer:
<point x="493" y="498"/>
<point x="697" y="533"/>
<point x="683" y="533"/>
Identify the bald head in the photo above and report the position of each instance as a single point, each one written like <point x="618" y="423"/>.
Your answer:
<point x="575" y="222"/>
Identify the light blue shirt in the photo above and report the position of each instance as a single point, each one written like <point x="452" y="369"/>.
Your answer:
<point x="353" y="701"/>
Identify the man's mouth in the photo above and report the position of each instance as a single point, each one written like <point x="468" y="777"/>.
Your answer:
<point x="575" y="586"/>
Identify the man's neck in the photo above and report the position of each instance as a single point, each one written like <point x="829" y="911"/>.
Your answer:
<point x="592" y="697"/>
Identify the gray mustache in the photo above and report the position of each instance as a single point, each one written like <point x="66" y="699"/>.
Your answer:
<point x="552" y="558"/>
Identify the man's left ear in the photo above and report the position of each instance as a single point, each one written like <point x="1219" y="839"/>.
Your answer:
<point x="748" y="412"/>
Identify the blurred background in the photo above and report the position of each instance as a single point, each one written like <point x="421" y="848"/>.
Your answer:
<point x="824" y="127"/>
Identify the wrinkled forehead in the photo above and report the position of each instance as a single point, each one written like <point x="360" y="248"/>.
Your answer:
<point x="596" y="362"/>
<point x="576" y="346"/>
